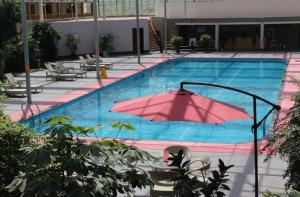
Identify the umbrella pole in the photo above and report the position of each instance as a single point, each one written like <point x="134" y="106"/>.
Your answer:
<point x="255" y="146"/>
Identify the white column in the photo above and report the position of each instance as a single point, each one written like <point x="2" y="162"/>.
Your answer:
<point x="138" y="31"/>
<point x="262" y="35"/>
<point x="41" y="11"/>
<point x="184" y="7"/>
<point x="76" y="10"/>
<point x="217" y="36"/>
<point x="103" y="10"/>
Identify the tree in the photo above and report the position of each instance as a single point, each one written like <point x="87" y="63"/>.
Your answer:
<point x="47" y="38"/>
<point x="65" y="165"/>
<point x="13" y="51"/>
<point x="9" y="17"/>
<point x="285" y="141"/>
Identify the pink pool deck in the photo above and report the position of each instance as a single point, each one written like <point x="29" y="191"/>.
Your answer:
<point x="288" y="88"/>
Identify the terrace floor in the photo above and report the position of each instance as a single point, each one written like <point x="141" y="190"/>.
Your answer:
<point x="242" y="175"/>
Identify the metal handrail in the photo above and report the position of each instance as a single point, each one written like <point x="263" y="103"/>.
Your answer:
<point x="31" y="111"/>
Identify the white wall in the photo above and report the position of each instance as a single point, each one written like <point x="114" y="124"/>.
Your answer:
<point x="230" y="9"/>
<point x="121" y="29"/>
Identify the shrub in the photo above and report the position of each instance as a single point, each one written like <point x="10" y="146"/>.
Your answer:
<point x="65" y="165"/>
<point x="205" y="40"/>
<point x="72" y="42"/>
<point x="106" y="43"/>
<point x="13" y="136"/>
<point x="177" y="41"/>
<point x="47" y="38"/>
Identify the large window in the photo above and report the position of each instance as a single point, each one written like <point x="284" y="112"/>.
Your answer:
<point x="127" y="7"/>
<point x="196" y="31"/>
<point x="239" y="37"/>
<point x="282" y="37"/>
<point x="87" y="8"/>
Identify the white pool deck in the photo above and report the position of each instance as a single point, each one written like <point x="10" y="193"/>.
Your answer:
<point x="242" y="175"/>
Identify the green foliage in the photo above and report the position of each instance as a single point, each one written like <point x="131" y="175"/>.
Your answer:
<point x="189" y="185"/>
<point x="120" y="126"/>
<point x="65" y="165"/>
<point x="9" y="17"/>
<point x="72" y="42"/>
<point x="217" y="183"/>
<point x="176" y="41"/>
<point x="47" y="38"/>
<point x="13" y="53"/>
<point x="2" y="96"/>
<point x="285" y="141"/>
<point x="13" y="136"/>
<point x="205" y="40"/>
<point x="106" y="43"/>
<point x="289" y="193"/>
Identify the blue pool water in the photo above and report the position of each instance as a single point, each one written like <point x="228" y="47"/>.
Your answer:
<point x="261" y="77"/>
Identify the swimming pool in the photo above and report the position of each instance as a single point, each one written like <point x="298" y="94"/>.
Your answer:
<point x="259" y="76"/>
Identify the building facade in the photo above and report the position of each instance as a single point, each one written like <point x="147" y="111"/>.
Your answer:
<point x="234" y="24"/>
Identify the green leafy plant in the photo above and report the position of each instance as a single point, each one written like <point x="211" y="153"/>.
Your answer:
<point x="2" y="96"/>
<point x="177" y="41"/>
<point x="285" y="141"/>
<point x="13" y="54"/>
<point x="65" y="165"/>
<point x="13" y="137"/>
<point x="289" y="193"/>
<point x="205" y="40"/>
<point x="47" y="38"/>
<point x="121" y="126"/>
<point x="189" y="185"/>
<point x="9" y="17"/>
<point x="72" y="42"/>
<point x="106" y="44"/>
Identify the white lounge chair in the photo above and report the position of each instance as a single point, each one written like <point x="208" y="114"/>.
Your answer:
<point x="55" y="74"/>
<point x="9" y="90"/>
<point x="20" y="84"/>
<point x="88" y="66"/>
<point x="62" y="69"/>
<point x="92" y="61"/>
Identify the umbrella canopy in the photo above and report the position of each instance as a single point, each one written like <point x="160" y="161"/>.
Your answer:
<point x="181" y="105"/>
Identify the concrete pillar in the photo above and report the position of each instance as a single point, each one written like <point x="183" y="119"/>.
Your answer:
<point x="76" y="10"/>
<point x="41" y="11"/>
<point x="262" y="35"/>
<point x="103" y="10"/>
<point x="217" y="36"/>
<point x="184" y="7"/>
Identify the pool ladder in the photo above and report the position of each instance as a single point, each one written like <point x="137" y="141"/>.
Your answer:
<point x="29" y="107"/>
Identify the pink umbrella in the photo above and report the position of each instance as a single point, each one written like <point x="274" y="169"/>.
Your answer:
<point x="181" y="105"/>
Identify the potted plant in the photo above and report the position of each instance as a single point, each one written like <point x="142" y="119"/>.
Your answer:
<point x="205" y="40"/>
<point x="72" y="42"/>
<point x="177" y="41"/>
<point x="106" y="44"/>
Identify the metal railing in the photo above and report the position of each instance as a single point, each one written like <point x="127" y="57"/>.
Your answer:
<point x="32" y="114"/>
